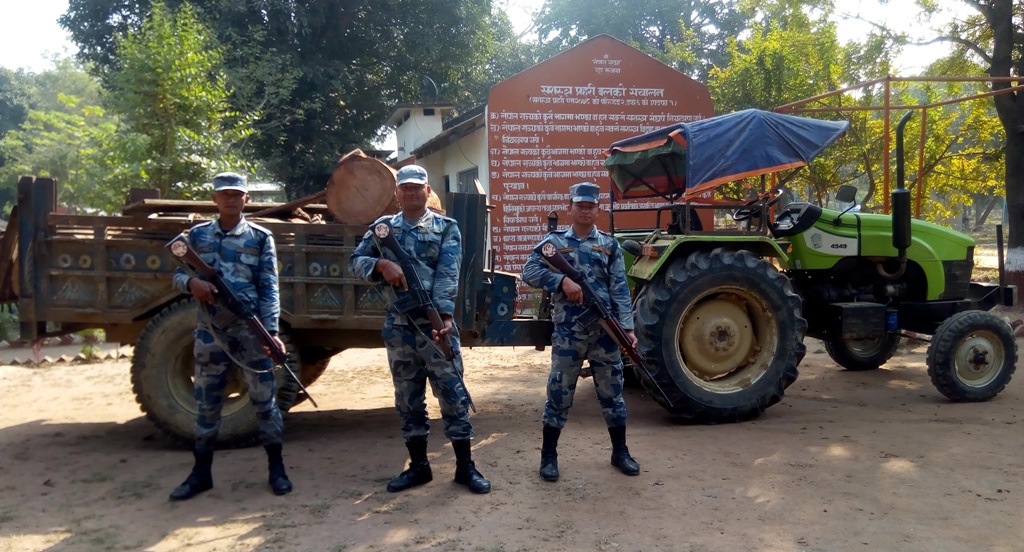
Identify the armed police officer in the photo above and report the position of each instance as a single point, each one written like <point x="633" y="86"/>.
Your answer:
<point x="434" y="244"/>
<point x="598" y="257"/>
<point x="245" y="256"/>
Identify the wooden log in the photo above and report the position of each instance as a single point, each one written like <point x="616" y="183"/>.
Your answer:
<point x="361" y="188"/>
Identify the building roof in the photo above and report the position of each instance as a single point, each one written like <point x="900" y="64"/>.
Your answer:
<point x="454" y="130"/>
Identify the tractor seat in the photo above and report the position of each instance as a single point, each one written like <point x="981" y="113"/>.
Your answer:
<point x="795" y="218"/>
<point x="676" y="226"/>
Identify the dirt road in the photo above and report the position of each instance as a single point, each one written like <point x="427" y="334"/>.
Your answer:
<point x="875" y="461"/>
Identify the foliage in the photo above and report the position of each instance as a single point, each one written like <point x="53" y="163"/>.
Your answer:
<point x="14" y="102"/>
<point x="60" y="137"/>
<point x="785" y="57"/>
<point x="792" y="53"/>
<point x="690" y="35"/>
<point x="324" y="75"/>
<point x="10" y="330"/>
<point x="170" y="92"/>
<point x="993" y="36"/>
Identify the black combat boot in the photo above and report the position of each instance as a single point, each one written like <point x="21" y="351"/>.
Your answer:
<point x="278" y="479"/>
<point x="465" y="469"/>
<point x="549" y="453"/>
<point x="201" y="479"/>
<point x="620" y="454"/>
<point x="419" y="469"/>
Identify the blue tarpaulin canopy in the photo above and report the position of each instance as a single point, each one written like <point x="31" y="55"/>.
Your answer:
<point x="688" y="158"/>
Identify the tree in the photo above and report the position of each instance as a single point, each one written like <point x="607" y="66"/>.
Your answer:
<point x="323" y="75"/>
<point x="59" y="134"/>
<point x="792" y="52"/>
<point x="169" y="89"/>
<point x="14" y="104"/>
<point x="994" y="37"/>
<point x="786" y="56"/>
<point x="14" y="100"/>
<point x="690" y="35"/>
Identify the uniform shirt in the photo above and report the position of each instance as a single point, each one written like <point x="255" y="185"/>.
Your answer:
<point x="247" y="261"/>
<point x="435" y="245"/>
<point x="598" y="257"/>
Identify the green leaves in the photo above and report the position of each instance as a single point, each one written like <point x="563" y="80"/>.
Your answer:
<point x="170" y="89"/>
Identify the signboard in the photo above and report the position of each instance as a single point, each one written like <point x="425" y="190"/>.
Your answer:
<point x="549" y="126"/>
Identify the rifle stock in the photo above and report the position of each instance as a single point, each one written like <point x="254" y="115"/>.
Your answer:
<point x="548" y="251"/>
<point x="182" y="250"/>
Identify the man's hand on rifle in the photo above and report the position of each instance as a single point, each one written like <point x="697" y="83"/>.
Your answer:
<point x="440" y="336"/>
<point x="573" y="291"/>
<point x="202" y="290"/>
<point x="280" y="344"/>
<point x="392" y="273"/>
<point x="632" y="338"/>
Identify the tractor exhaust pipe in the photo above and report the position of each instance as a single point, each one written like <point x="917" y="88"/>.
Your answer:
<point x="900" y="208"/>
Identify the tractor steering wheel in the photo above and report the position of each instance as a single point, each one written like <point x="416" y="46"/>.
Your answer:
<point x="745" y="212"/>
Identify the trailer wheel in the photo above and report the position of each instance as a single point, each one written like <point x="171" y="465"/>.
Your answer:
<point x="972" y="356"/>
<point x="858" y="355"/>
<point x="723" y="333"/>
<point x="162" y="373"/>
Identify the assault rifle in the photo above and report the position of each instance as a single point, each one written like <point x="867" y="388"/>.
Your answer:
<point x="596" y="309"/>
<point x="181" y="250"/>
<point x="416" y="298"/>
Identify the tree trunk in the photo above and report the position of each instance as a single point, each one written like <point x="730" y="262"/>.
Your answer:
<point x="1015" y="208"/>
<point x="981" y="215"/>
<point x="1010" y="108"/>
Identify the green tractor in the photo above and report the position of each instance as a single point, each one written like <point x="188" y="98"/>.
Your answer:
<point x="721" y="315"/>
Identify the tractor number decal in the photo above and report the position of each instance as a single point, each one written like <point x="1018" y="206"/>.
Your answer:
<point x="830" y="244"/>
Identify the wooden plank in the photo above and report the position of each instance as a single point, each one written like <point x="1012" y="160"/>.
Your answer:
<point x="151" y="206"/>
<point x="8" y="256"/>
<point x="26" y="235"/>
<point x="290" y="206"/>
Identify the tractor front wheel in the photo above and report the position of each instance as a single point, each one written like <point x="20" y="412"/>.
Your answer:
<point x="972" y="356"/>
<point x="723" y="333"/>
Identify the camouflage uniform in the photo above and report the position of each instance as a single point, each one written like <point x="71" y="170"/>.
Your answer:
<point x="247" y="261"/>
<point x="597" y="256"/>
<point x="435" y="244"/>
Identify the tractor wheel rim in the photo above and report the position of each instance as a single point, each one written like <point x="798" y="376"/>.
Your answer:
<point x="865" y="347"/>
<point x="978" y="359"/>
<point x="726" y="339"/>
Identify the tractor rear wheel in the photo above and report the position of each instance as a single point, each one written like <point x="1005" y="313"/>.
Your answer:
<point x="723" y="333"/>
<point x="858" y="355"/>
<point x="972" y="356"/>
<point x="163" y="369"/>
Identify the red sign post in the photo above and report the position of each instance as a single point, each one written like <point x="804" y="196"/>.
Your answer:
<point x="549" y="126"/>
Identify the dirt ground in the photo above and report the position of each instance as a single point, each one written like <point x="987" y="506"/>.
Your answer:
<point x="848" y="461"/>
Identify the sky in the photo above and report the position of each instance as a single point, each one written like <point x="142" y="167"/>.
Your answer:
<point x="30" y="35"/>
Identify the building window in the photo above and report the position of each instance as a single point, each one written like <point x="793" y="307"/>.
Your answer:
<point x="466" y="180"/>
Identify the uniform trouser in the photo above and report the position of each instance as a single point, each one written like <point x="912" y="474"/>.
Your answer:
<point x="569" y="347"/>
<point x="213" y="370"/>
<point x="414" y="362"/>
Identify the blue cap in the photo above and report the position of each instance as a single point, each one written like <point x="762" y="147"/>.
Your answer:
<point x="584" y="191"/>
<point x="413" y="174"/>
<point x="229" y="181"/>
